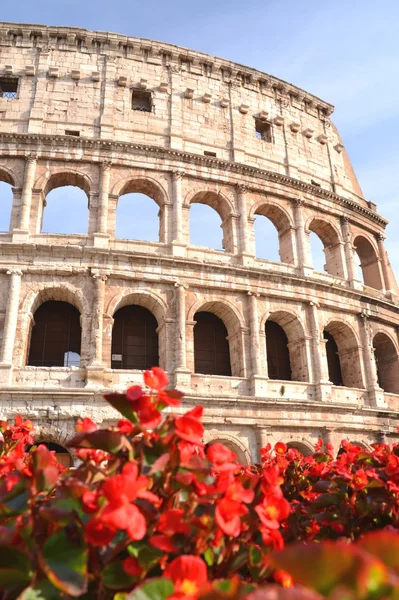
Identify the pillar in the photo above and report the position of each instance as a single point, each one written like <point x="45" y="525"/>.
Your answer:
<point x="349" y="253"/>
<point x="254" y="329"/>
<point x="302" y="239"/>
<point x="178" y="243"/>
<point x="389" y="282"/>
<point x="180" y="359"/>
<point x="243" y="225"/>
<point x="10" y="323"/>
<point x="26" y="197"/>
<point x="375" y="393"/>
<point x="262" y="437"/>
<point x="319" y="350"/>
<point x="98" y="316"/>
<point x="104" y="193"/>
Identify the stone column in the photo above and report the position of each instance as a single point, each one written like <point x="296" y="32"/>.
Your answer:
<point x="26" y="196"/>
<point x="302" y="239"/>
<point x="254" y="330"/>
<point x="98" y="316"/>
<point x="242" y="209"/>
<point x="389" y="283"/>
<point x="349" y="253"/>
<point x="101" y="236"/>
<point x="178" y="244"/>
<point x="375" y="393"/>
<point x="319" y="353"/>
<point x="262" y="437"/>
<point x="10" y="323"/>
<point x="182" y="373"/>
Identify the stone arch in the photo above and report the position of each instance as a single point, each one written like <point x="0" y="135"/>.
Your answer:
<point x="296" y="335"/>
<point x="7" y="176"/>
<point x="43" y="292"/>
<point x="369" y="261"/>
<point x="224" y="208"/>
<point x="54" y="179"/>
<point x="154" y="304"/>
<point x="148" y="186"/>
<point x="282" y="221"/>
<point x="234" y="444"/>
<point x="303" y="447"/>
<point x="50" y="435"/>
<point x="387" y="362"/>
<point x="331" y="240"/>
<point x="145" y="298"/>
<point x="140" y="184"/>
<point x="234" y="323"/>
<point x="348" y="352"/>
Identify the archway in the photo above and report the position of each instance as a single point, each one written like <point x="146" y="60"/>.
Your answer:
<point x="61" y="453"/>
<point x="348" y="354"/>
<point x="369" y="262"/>
<point x="278" y="357"/>
<point x="211" y="347"/>
<point x="333" y="362"/>
<point x="6" y="199"/>
<point x="387" y="362"/>
<point x="134" y="339"/>
<point x="66" y="211"/>
<point x="56" y="336"/>
<point x="286" y="347"/>
<point x="205" y="223"/>
<point x="137" y="218"/>
<point x="238" y="449"/>
<point x="301" y="447"/>
<point x="329" y="252"/>
<point x="273" y="247"/>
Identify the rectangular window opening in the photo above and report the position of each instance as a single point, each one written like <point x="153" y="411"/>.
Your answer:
<point x="263" y="130"/>
<point x="141" y="100"/>
<point x="72" y="132"/>
<point x="8" y="87"/>
<point x="207" y="153"/>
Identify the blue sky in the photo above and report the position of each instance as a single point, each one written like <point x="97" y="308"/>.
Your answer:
<point x="345" y="51"/>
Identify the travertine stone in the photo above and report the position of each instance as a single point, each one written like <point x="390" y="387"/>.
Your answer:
<point x="301" y="180"/>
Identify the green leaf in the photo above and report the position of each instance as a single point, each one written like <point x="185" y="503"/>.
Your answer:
<point x="209" y="556"/>
<point x="15" y="567"/>
<point x="114" y="577"/>
<point x="64" y="560"/>
<point x="15" y="501"/>
<point x="41" y="591"/>
<point x="153" y="589"/>
<point x="122" y="405"/>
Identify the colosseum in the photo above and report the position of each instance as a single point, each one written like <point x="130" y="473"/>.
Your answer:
<point x="272" y="350"/>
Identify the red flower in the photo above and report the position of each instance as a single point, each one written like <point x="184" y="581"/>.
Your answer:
<point x="162" y="542"/>
<point x="156" y="378"/>
<point x="189" y="575"/>
<point x="131" y="566"/>
<point x="135" y="392"/>
<point x="360" y="479"/>
<point x="90" y="502"/>
<point x="189" y="426"/>
<point x="125" y="426"/>
<point x="227" y="515"/>
<point x="99" y="533"/>
<point x="86" y="424"/>
<point x="170" y="397"/>
<point x="280" y="448"/>
<point x="171" y="522"/>
<point x="283" y="578"/>
<point x="221" y="457"/>
<point x="272" y="511"/>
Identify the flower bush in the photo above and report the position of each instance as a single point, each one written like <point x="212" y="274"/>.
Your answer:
<point x="151" y="513"/>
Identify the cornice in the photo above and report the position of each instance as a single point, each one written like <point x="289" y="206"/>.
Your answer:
<point x="38" y="143"/>
<point x="76" y="39"/>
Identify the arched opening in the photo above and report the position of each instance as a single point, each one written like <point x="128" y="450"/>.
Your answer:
<point x="301" y="447"/>
<point x="369" y="263"/>
<point x="6" y="198"/>
<point x="387" y="362"/>
<point x="140" y="213"/>
<point x="348" y="354"/>
<point x="278" y="248"/>
<point x="238" y="450"/>
<point x="134" y="339"/>
<point x="205" y="227"/>
<point x="56" y="336"/>
<point x="278" y="357"/>
<point x="66" y="210"/>
<point x="326" y="248"/>
<point x="266" y="239"/>
<point x="61" y="453"/>
<point x="137" y="218"/>
<point x="211" y="346"/>
<point x="211" y="228"/>
<point x="317" y="250"/>
<point x="334" y="365"/>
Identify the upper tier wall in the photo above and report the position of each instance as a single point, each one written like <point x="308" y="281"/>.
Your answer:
<point x="74" y="79"/>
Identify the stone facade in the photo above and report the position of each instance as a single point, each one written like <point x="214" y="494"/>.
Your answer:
<point x="214" y="132"/>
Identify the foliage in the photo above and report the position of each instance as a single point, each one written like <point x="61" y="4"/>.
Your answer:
<point x="151" y="513"/>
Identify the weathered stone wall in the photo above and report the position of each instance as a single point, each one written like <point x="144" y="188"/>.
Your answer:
<point x="75" y="80"/>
